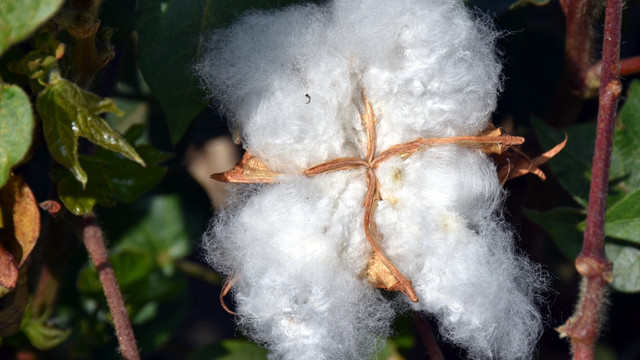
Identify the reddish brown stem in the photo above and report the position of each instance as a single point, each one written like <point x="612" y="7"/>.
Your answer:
<point x="428" y="337"/>
<point x="630" y="66"/>
<point x="584" y="326"/>
<point x="94" y="242"/>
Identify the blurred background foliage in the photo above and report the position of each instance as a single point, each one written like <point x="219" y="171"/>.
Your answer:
<point x="153" y="216"/>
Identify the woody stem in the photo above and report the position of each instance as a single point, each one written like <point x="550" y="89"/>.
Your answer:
<point x="584" y="326"/>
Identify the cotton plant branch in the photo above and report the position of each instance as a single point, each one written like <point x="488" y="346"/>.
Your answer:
<point x="94" y="242"/>
<point x="628" y="66"/>
<point x="584" y="326"/>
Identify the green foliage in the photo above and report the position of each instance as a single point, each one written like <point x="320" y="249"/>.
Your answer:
<point x="16" y="127"/>
<point x="165" y="212"/>
<point x="111" y="177"/>
<point x="69" y="112"/>
<point x="230" y="350"/>
<point x="42" y="335"/>
<point x="573" y="170"/>
<point x="169" y="33"/>
<point x="19" y="18"/>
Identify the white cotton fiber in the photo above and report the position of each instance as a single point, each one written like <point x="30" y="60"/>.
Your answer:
<point x="291" y="81"/>
<point x="297" y="255"/>
<point x="438" y="221"/>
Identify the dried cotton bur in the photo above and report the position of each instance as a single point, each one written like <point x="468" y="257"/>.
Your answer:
<point x="368" y="137"/>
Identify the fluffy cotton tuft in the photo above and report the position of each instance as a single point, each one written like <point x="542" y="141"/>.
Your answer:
<point x="291" y="82"/>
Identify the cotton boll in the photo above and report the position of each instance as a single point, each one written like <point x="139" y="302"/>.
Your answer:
<point x="439" y="225"/>
<point x="284" y="85"/>
<point x="291" y="80"/>
<point x="297" y="258"/>
<point x="428" y="67"/>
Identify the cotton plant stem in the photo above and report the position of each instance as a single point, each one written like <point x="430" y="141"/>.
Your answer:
<point x="628" y="66"/>
<point x="428" y="337"/>
<point x="584" y="326"/>
<point x="94" y="242"/>
<point x="198" y="271"/>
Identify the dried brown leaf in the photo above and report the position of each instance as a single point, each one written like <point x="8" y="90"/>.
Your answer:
<point x="514" y="163"/>
<point x="8" y="272"/>
<point x="21" y="219"/>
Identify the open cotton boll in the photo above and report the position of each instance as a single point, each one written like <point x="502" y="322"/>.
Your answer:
<point x="297" y="258"/>
<point x="438" y="222"/>
<point x="296" y="82"/>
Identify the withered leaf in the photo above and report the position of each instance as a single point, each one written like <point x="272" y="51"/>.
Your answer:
<point x="514" y="163"/>
<point x="8" y="272"/>
<point x="20" y="219"/>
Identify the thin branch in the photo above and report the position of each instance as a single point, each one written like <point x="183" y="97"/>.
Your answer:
<point x="630" y="66"/>
<point x="584" y="326"/>
<point x="198" y="271"/>
<point x="428" y="337"/>
<point x="94" y="242"/>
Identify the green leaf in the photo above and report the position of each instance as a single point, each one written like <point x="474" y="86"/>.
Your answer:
<point x="42" y="335"/>
<point x="562" y="226"/>
<point x="626" y="266"/>
<point x="572" y="166"/>
<point x="19" y="18"/>
<point x="161" y="233"/>
<point x="390" y="352"/>
<point x="128" y="180"/>
<point x="625" y="157"/>
<point x="16" y="127"/>
<point x="80" y="200"/>
<point x="230" y="350"/>
<point x="111" y="177"/>
<point x="623" y="219"/>
<point x="68" y="112"/>
<point x="168" y="48"/>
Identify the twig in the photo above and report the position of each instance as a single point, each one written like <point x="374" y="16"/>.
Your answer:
<point x="428" y="337"/>
<point x="628" y="66"/>
<point x="198" y="271"/>
<point x="94" y="242"/>
<point x="584" y="326"/>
